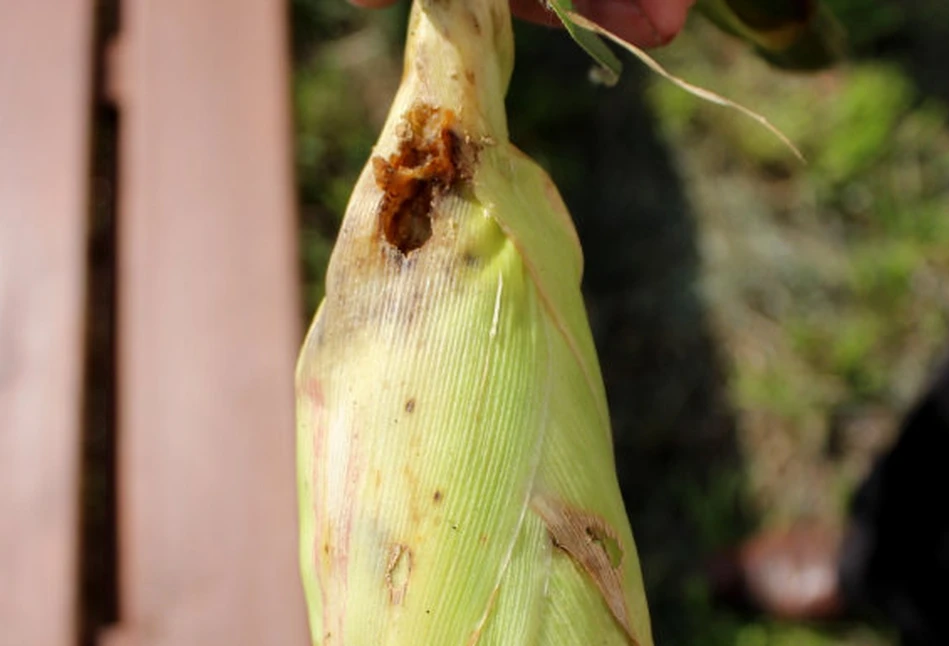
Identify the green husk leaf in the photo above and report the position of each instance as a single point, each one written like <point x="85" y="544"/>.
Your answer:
<point x="609" y="64"/>
<point x="419" y="460"/>
<point x="695" y="90"/>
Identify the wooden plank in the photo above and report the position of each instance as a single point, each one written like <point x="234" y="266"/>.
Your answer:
<point x="45" y="80"/>
<point x="208" y="327"/>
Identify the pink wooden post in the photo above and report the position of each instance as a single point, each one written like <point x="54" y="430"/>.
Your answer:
<point x="45" y="80"/>
<point x="208" y="327"/>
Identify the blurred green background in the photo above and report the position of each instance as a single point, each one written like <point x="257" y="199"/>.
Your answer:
<point x="762" y="323"/>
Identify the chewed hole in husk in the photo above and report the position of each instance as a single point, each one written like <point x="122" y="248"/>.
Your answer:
<point x="398" y="569"/>
<point x="425" y="166"/>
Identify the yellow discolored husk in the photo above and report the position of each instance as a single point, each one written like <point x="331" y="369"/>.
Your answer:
<point x="456" y="472"/>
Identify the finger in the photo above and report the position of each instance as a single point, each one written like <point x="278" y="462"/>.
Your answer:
<point x="667" y="16"/>
<point x="645" y="23"/>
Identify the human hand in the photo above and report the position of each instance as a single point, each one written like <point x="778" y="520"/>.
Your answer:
<point x="645" y="23"/>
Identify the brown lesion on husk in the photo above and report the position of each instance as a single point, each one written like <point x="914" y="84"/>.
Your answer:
<point x="431" y="160"/>
<point x="593" y="545"/>
<point x="475" y="23"/>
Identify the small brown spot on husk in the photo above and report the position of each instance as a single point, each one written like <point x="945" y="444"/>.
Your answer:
<point x="594" y="546"/>
<point x="398" y="570"/>
<point x="410" y="405"/>
<point x="430" y="161"/>
<point x="474" y="23"/>
<point x="437" y="496"/>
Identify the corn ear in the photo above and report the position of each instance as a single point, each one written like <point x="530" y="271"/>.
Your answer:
<point x="455" y="462"/>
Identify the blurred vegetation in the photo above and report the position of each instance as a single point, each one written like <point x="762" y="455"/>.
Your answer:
<point x="762" y="324"/>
